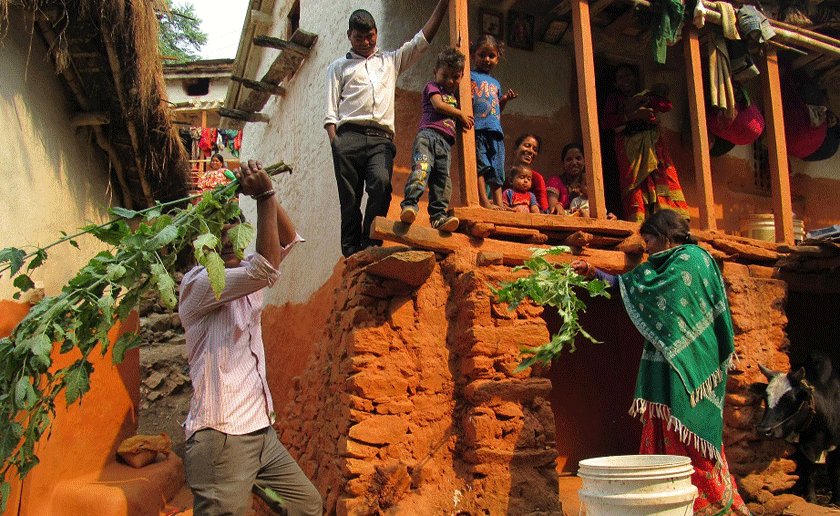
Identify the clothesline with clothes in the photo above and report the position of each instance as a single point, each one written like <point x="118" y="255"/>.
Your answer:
<point x="207" y="140"/>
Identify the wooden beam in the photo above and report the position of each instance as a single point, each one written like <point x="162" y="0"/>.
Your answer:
<point x="459" y="38"/>
<point x="90" y="118"/>
<point x="81" y="98"/>
<point x="281" y="44"/>
<point x="116" y="73"/>
<point x="587" y="97"/>
<point x="260" y="86"/>
<point x="541" y="221"/>
<point x="777" y="147"/>
<point x="513" y="253"/>
<point x="260" y="18"/>
<point x="245" y="116"/>
<point x="699" y="134"/>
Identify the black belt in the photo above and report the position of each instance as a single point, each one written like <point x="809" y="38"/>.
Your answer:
<point x="364" y="129"/>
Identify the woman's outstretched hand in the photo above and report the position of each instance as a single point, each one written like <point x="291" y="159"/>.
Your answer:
<point x="582" y="267"/>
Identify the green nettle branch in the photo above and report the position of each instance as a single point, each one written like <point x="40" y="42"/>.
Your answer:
<point x="550" y="284"/>
<point x="102" y="293"/>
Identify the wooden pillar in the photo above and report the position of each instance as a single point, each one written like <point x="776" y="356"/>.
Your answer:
<point x="777" y="147"/>
<point x="587" y="97"/>
<point x="699" y="135"/>
<point x="202" y="164"/>
<point x="459" y="38"/>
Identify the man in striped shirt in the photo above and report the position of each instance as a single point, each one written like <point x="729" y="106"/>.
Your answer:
<point x="230" y="442"/>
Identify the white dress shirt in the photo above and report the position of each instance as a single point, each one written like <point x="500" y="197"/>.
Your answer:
<point x="225" y="347"/>
<point x="361" y="90"/>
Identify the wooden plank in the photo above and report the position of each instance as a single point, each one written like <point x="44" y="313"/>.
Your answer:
<point x="699" y="134"/>
<point x="710" y="236"/>
<point x="281" y="44"/>
<point x="587" y="97"/>
<point x="513" y="253"/>
<point x="459" y="38"/>
<point x="745" y="251"/>
<point x="265" y="87"/>
<point x="777" y="147"/>
<point x="550" y="222"/>
<point x="243" y="115"/>
<point x="260" y="18"/>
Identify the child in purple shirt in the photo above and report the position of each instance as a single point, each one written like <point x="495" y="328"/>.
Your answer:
<point x="431" y="155"/>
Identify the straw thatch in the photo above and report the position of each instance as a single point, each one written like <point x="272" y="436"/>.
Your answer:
<point x="107" y="53"/>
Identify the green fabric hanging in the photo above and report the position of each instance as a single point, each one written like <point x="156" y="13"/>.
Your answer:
<point x="678" y="303"/>
<point x="668" y="27"/>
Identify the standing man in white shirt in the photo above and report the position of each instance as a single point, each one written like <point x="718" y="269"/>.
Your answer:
<point x="360" y="121"/>
<point x="231" y="445"/>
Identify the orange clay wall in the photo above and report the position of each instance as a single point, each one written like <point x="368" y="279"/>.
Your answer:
<point x="84" y="437"/>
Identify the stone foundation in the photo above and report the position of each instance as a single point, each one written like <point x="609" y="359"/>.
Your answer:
<point x="410" y="405"/>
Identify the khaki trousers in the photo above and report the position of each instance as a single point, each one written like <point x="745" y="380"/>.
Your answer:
<point x="222" y="469"/>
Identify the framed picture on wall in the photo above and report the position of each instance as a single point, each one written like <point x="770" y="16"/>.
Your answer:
<point x="520" y="30"/>
<point x="491" y="22"/>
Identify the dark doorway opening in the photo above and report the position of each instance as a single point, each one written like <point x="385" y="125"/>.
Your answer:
<point x="592" y="388"/>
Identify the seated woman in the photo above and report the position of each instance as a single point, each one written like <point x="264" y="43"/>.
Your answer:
<point x="563" y="188"/>
<point x="215" y="175"/>
<point x="568" y="193"/>
<point x="649" y="181"/>
<point x="525" y="151"/>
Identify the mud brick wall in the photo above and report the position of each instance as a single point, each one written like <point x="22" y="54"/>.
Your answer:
<point x="762" y="467"/>
<point x="410" y="404"/>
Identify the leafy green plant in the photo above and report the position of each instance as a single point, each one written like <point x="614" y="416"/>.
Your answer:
<point x="551" y="284"/>
<point x="102" y="293"/>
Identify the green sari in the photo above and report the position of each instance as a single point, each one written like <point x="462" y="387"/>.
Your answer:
<point x="678" y="303"/>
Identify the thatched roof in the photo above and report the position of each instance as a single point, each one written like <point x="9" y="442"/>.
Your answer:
<point x="107" y="55"/>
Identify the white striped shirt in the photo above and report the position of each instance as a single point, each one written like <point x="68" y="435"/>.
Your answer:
<point x="225" y="347"/>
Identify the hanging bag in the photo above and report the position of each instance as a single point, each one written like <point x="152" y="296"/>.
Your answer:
<point x="745" y="128"/>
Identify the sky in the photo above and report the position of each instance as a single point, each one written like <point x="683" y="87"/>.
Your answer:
<point x="222" y="21"/>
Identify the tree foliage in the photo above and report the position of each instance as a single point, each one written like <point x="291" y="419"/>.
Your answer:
<point x="180" y="35"/>
<point x="102" y="293"/>
<point x="553" y="285"/>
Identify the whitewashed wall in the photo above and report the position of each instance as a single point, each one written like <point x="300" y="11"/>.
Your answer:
<point x="295" y="133"/>
<point x="176" y="92"/>
<point x="53" y="176"/>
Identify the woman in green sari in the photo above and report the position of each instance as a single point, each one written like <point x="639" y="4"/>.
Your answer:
<point x="677" y="301"/>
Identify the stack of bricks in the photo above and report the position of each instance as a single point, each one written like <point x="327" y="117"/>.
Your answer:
<point x="409" y="402"/>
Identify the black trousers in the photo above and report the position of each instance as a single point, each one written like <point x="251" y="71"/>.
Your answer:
<point x="362" y="164"/>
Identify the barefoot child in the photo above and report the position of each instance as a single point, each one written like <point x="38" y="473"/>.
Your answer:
<point x="431" y="154"/>
<point x="488" y="104"/>
<point x="520" y="197"/>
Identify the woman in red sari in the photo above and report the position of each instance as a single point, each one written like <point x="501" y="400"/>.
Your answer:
<point x="649" y="181"/>
<point x="677" y="301"/>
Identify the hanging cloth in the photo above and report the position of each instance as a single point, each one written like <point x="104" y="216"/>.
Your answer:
<point x="208" y="138"/>
<point x="753" y="23"/>
<point x="721" y="93"/>
<point x="667" y="28"/>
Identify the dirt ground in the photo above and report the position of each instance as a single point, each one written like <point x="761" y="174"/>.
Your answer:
<point x="165" y="388"/>
<point x="165" y="392"/>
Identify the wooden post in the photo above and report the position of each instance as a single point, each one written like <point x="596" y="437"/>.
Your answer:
<point x="777" y="147"/>
<point x="459" y="37"/>
<point x="202" y="165"/>
<point x="587" y="97"/>
<point x="699" y="135"/>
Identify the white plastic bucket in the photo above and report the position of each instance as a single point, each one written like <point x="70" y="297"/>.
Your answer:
<point x="637" y="485"/>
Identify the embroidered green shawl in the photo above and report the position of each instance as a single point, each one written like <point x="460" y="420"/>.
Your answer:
<point x="677" y="301"/>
